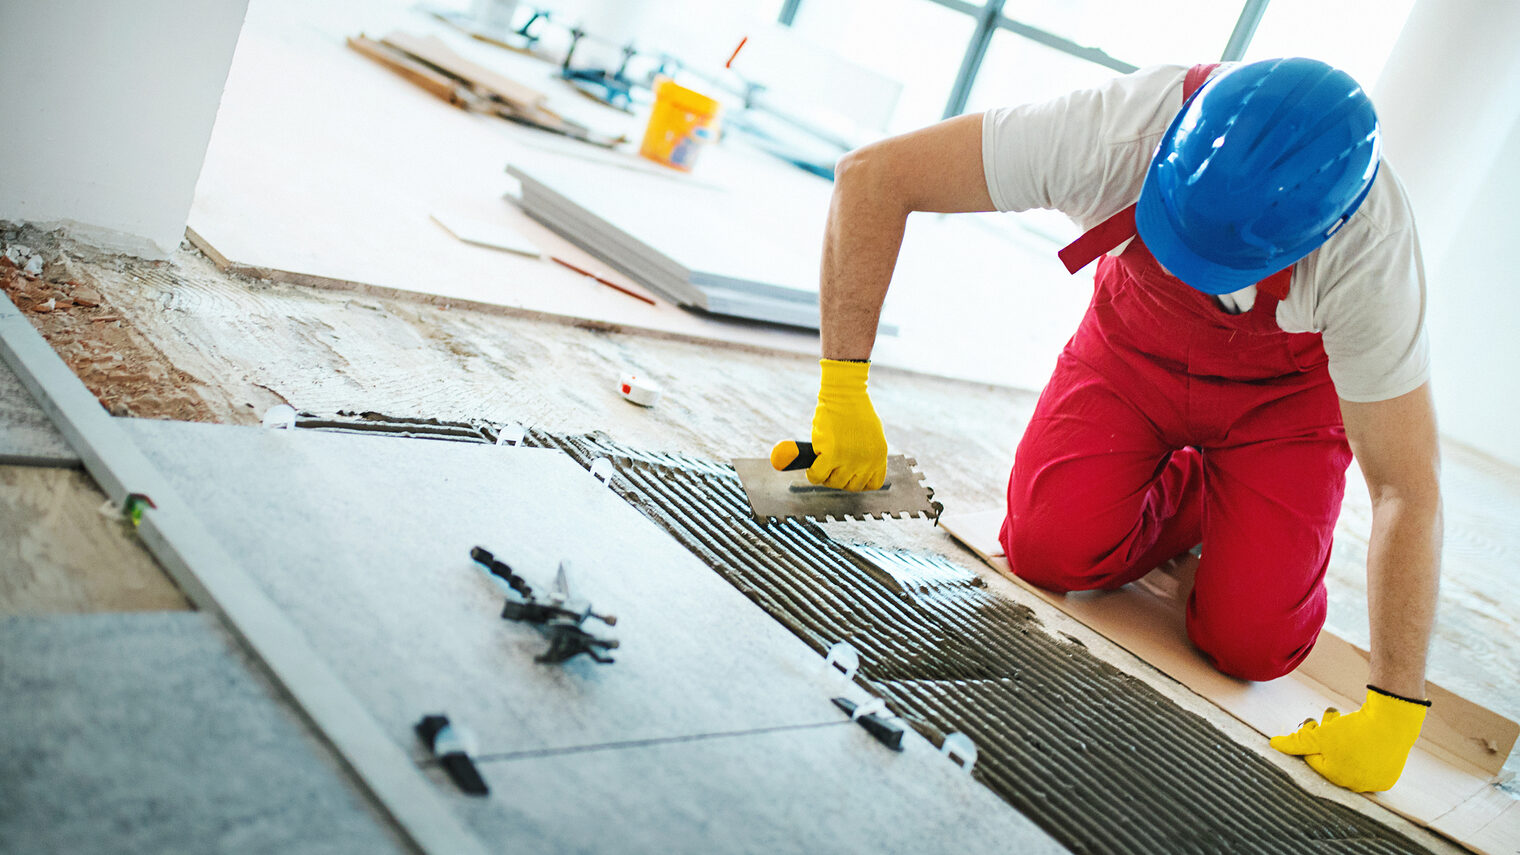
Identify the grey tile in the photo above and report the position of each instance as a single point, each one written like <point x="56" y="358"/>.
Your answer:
<point x="149" y="733"/>
<point x="27" y="436"/>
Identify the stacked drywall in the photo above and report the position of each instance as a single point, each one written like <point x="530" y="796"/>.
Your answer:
<point x="746" y="245"/>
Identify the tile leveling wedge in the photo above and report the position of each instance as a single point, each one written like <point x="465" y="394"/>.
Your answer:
<point x="777" y="488"/>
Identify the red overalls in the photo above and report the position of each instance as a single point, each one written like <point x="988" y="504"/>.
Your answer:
<point x="1169" y="422"/>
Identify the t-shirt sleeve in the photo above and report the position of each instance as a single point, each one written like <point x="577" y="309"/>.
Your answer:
<point x="1373" y="320"/>
<point x="1083" y="154"/>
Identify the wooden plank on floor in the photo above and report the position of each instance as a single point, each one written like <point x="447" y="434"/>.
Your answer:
<point x="1443" y="775"/>
<point x="432" y="51"/>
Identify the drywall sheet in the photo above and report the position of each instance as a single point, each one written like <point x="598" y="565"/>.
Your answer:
<point x="27" y="435"/>
<point x="974" y="296"/>
<point x="150" y="733"/>
<point x="1446" y="784"/>
<point x="364" y="543"/>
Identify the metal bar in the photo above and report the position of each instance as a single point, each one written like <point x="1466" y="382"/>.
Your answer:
<point x="214" y="582"/>
<point x="1064" y="45"/>
<point x="986" y="24"/>
<point x="1245" y="29"/>
<point x="963" y="6"/>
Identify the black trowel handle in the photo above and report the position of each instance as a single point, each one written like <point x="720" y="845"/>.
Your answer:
<point x="791" y="455"/>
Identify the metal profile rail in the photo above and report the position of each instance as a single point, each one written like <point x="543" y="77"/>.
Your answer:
<point x="215" y="583"/>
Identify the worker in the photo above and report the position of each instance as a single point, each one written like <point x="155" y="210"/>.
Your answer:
<point x="1257" y="319"/>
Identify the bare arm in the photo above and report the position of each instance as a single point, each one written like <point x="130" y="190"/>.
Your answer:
<point x="937" y="169"/>
<point x="1395" y="443"/>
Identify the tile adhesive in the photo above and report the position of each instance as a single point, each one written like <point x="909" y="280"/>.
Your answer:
<point x="1101" y="761"/>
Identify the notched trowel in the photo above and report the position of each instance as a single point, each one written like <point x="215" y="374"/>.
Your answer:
<point x="778" y="489"/>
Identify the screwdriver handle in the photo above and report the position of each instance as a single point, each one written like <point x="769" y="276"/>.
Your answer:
<point x="791" y="455"/>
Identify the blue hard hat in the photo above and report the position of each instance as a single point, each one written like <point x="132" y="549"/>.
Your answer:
<point x="1262" y="165"/>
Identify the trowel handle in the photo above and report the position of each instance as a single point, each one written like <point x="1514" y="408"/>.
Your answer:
<point x="791" y="455"/>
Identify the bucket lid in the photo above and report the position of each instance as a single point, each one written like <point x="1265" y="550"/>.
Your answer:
<point x="687" y="99"/>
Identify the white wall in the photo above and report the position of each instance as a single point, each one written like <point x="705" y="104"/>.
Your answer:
<point x="105" y="112"/>
<point x="1449" y="101"/>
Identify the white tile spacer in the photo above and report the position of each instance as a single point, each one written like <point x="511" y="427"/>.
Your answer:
<point x="960" y="749"/>
<point x="280" y="417"/>
<point x="871" y="707"/>
<point x="641" y="391"/>
<point x="511" y="433"/>
<point x="601" y="470"/>
<point x="843" y="658"/>
<point x="455" y="738"/>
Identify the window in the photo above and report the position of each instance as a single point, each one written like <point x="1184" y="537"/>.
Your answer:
<point x="1355" y="36"/>
<point x="920" y="44"/>
<point x="960" y="55"/>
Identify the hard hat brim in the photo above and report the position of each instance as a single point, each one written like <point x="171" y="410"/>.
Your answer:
<point x="1168" y="247"/>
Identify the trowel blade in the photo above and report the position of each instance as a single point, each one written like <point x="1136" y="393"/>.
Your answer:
<point x="789" y="495"/>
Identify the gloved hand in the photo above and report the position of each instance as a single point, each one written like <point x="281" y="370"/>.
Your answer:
<point x="852" y="451"/>
<point x="1362" y="751"/>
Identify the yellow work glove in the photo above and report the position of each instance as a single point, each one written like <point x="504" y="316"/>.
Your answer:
<point x="852" y="451"/>
<point x="1362" y="751"/>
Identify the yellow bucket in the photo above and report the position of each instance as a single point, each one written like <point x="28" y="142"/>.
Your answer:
<point x="681" y="121"/>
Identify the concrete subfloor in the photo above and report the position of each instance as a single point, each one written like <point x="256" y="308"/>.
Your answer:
<point x="247" y="344"/>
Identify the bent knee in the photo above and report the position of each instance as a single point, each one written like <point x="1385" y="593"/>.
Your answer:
<point x="1052" y="563"/>
<point x="1252" y="652"/>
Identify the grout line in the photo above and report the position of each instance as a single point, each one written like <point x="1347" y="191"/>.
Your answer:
<point x="642" y="743"/>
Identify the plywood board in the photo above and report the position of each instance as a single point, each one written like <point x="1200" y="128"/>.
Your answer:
<point x="363" y="542"/>
<point x="150" y="734"/>
<point x="433" y="51"/>
<point x="27" y="436"/>
<point x="1448" y="774"/>
<point x="440" y="85"/>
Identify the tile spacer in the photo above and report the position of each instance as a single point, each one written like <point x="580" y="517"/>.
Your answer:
<point x="843" y="658"/>
<point x="511" y="433"/>
<point x="280" y="417"/>
<point x="960" y="749"/>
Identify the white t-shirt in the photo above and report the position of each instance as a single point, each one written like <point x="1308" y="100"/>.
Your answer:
<point x="1086" y="154"/>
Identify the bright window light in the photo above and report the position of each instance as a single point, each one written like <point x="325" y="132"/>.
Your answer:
<point x="916" y="42"/>
<point x="1355" y="36"/>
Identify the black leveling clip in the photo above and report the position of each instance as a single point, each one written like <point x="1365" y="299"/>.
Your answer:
<point x="874" y="717"/>
<point x="557" y="613"/>
<point x="452" y="746"/>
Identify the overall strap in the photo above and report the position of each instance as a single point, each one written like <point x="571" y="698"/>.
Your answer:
<point x="1195" y="78"/>
<point x="1121" y="226"/>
